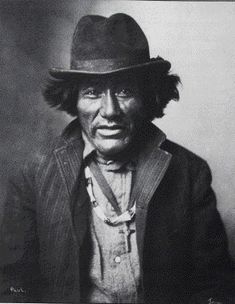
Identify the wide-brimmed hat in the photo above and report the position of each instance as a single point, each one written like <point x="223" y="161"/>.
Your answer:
<point x="103" y="46"/>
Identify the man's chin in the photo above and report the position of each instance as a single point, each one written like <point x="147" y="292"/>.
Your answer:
<point x="112" y="148"/>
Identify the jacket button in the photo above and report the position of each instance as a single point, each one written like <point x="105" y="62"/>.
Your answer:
<point x="117" y="259"/>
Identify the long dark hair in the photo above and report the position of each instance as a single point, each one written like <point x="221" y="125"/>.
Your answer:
<point x="157" y="91"/>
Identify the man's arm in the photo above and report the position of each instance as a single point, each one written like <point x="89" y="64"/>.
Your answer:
<point x="212" y="278"/>
<point x="18" y="242"/>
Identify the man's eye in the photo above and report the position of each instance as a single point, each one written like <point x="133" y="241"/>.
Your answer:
<point x="92" y="93"/>
<point x="125" y="92"/>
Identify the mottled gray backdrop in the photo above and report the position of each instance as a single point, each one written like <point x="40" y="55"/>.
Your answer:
<point x="197" y="37"/>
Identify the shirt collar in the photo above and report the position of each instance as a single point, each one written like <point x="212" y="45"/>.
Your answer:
<point x="89" y="149"/>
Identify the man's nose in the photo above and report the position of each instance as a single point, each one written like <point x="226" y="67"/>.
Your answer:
<point x="109" y="105"/>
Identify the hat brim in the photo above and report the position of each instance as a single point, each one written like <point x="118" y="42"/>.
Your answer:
<point x="158" y="65"/>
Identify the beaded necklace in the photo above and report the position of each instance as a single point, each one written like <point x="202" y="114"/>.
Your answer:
<point x="126" y="216"/>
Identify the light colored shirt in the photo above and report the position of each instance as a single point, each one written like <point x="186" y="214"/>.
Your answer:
<point x="114" y="269"/>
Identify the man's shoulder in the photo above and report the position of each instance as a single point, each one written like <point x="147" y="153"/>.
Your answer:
<point x="70" y="135"/>
<point x="187" y="168"/>
<point x="45" y="154"/>
<point x="179" y="151"/>
<point x="183" y="157"/>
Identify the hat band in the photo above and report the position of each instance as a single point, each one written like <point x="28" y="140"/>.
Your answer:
<point x="106" y="65"/>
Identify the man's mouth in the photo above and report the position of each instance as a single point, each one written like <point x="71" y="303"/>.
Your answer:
<point x="110" y="131"/>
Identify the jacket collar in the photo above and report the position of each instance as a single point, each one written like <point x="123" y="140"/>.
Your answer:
<point x="152" y="165"/>
<point x="69" y="155"/>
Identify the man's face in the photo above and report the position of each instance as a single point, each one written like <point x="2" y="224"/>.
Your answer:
<point x="110" y="109"/>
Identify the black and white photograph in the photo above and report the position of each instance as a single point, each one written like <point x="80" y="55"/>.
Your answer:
<point x="117" y="163"/>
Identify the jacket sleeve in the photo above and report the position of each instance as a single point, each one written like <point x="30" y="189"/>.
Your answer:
<point x="212" y="278"/>
<point x="18" y="242"/>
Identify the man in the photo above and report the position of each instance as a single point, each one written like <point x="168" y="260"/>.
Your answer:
<point x="113" y="212"/>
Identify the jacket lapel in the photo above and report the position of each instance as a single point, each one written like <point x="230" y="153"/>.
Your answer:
<point x="152" y="165"/>
<point x="69" y="160"/>
<point x="71" y="211"/>
<point x="69" y="156"/>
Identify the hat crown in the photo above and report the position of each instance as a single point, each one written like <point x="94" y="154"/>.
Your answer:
<point x="101" y="46"/>
<point x="100" y="38"/>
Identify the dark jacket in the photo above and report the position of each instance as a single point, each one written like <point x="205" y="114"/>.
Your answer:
<point x="180" y="236"/>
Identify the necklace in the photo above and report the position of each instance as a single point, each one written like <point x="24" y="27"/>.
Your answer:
<point x="123" y="217"/>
